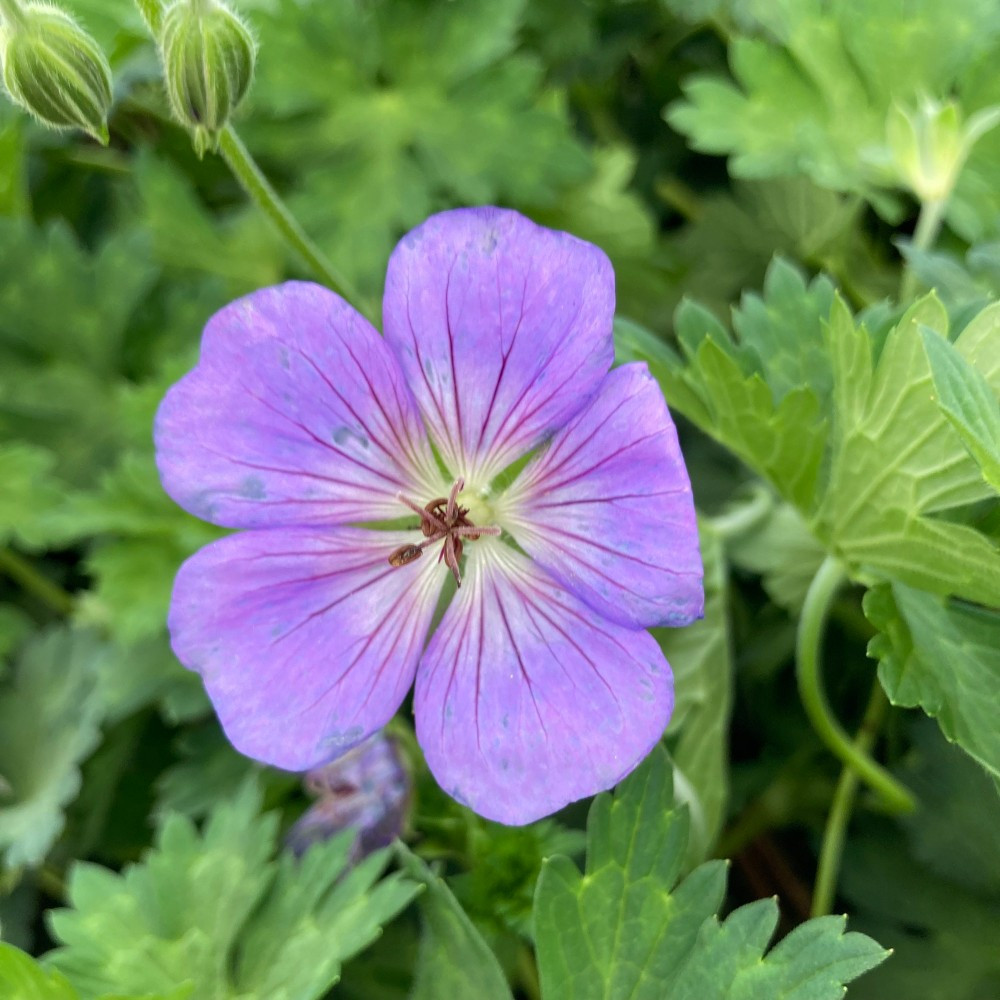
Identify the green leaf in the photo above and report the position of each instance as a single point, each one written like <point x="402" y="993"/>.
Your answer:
<point x="897" y="461"/>
<point x="628" y="928"/>
<point x="394" y="110"/>
<point x="944" y="657"/>
<point x="214" y="911"/>
<point x="28" y="490"/>
<point x="969" y="403"/>
<point x="700" y="657"/>
<point x="743" y="391"/>
<point x="454" y="959"/>
<point x="57" y="378"/>
<point x="931" y="890"/>
<point x="22" y="978"/>
<point x="50" y="714"/>
<point x="814" y="84"/>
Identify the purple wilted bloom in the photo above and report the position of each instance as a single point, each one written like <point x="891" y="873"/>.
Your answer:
<point x="301" y="425"/>
<point x="367" y="790"/>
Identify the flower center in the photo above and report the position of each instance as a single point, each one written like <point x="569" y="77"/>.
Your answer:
<point x="442" y="520"/>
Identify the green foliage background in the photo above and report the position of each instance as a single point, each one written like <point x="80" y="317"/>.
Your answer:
<point x="836" y="379"/>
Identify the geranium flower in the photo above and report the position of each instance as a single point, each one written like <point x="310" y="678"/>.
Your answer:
<point x="368" y="471"/>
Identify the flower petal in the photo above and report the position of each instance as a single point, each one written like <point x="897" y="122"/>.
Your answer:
<point x="503" y="329"/>
<point x="606" y="508"/>
<point x="526" y="700"/>
<point x="307" y="640"/>
<point x="297" y="413"/>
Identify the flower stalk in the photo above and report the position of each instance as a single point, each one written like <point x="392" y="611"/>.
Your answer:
<point x="31" y="581"/>
<point x="828" y="580"/>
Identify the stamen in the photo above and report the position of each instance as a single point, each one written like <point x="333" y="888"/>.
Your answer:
<point x="442" y="520"/>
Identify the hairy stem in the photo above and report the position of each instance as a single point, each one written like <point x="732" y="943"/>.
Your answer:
<point x="844" y="797"/>
<point x="809" y="639"/>
<point x="29" y="579"/>
<point x="257" y="186"/>
<point x="928" y="226"/>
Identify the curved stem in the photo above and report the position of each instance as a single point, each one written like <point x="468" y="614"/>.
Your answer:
<point x="259" y="188"/>
<point x="812" y="624"/>
<point x="835" y="831"/>
<point x="23" y="573"/>
<point x="740" y="519"/>
<point x="928" y="226"/>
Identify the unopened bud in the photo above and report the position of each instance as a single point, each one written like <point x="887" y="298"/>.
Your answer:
<point x="930" y="143"/>
<point x="208" y="60"/>
<point x="53" y="69"/>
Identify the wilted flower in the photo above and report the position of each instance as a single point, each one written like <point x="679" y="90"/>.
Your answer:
<point x="366" y="790"/>
<point x="538" y="686"/>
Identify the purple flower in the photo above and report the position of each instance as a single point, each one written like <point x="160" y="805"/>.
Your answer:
<point x="300" y="424"/>
<point x="367" y="790"/>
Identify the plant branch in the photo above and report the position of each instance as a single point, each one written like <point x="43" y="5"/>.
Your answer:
<point x="832" y="848"/>
<point x="812" y="624"/>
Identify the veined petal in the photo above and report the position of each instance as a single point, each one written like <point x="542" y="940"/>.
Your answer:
<point x="503" y="329"/>
<point x="526" y="700"/>
<point x="607" y="507"/>
<point x="297" y="413"/>
<point x="307" y="639"/>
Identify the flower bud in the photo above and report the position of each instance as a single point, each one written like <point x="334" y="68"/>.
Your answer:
<point x="367" y="790"/>
<point x="53" y="69"/>
<point x="208" y="60"/>
<point x="930" y="143"/>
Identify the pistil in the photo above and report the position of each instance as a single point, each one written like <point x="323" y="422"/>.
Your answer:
<point x="443" y="519"/>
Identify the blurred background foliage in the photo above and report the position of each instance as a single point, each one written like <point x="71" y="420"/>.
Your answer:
<point x="694" y="142"/>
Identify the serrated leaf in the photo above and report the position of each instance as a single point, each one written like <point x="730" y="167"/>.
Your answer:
<point x="944" y="657"/>
<point x="968" y="401"/>
<point x="394" y="110"/>
<point x="700" y="657"/>
<point x="50" y="714"/>
<point x="628" y="928"/>
<point x="22" y="978"/>
<point x="814" y="84"/>
<point x="213" y="911"/>
<point x="315" y="917"/>
<point x="454" y="959"/>
<point x="742" y="391"/>
<point x="896" y="460"/>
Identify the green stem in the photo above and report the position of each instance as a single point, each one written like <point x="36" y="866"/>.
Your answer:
<point x="844" y="797"/>
<point x="928" y="226"/>
<point x="23" y="573"/>
<point x="257" y="186"/>
<point x="740" y="519"/>
<point x="809" y="639"/>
